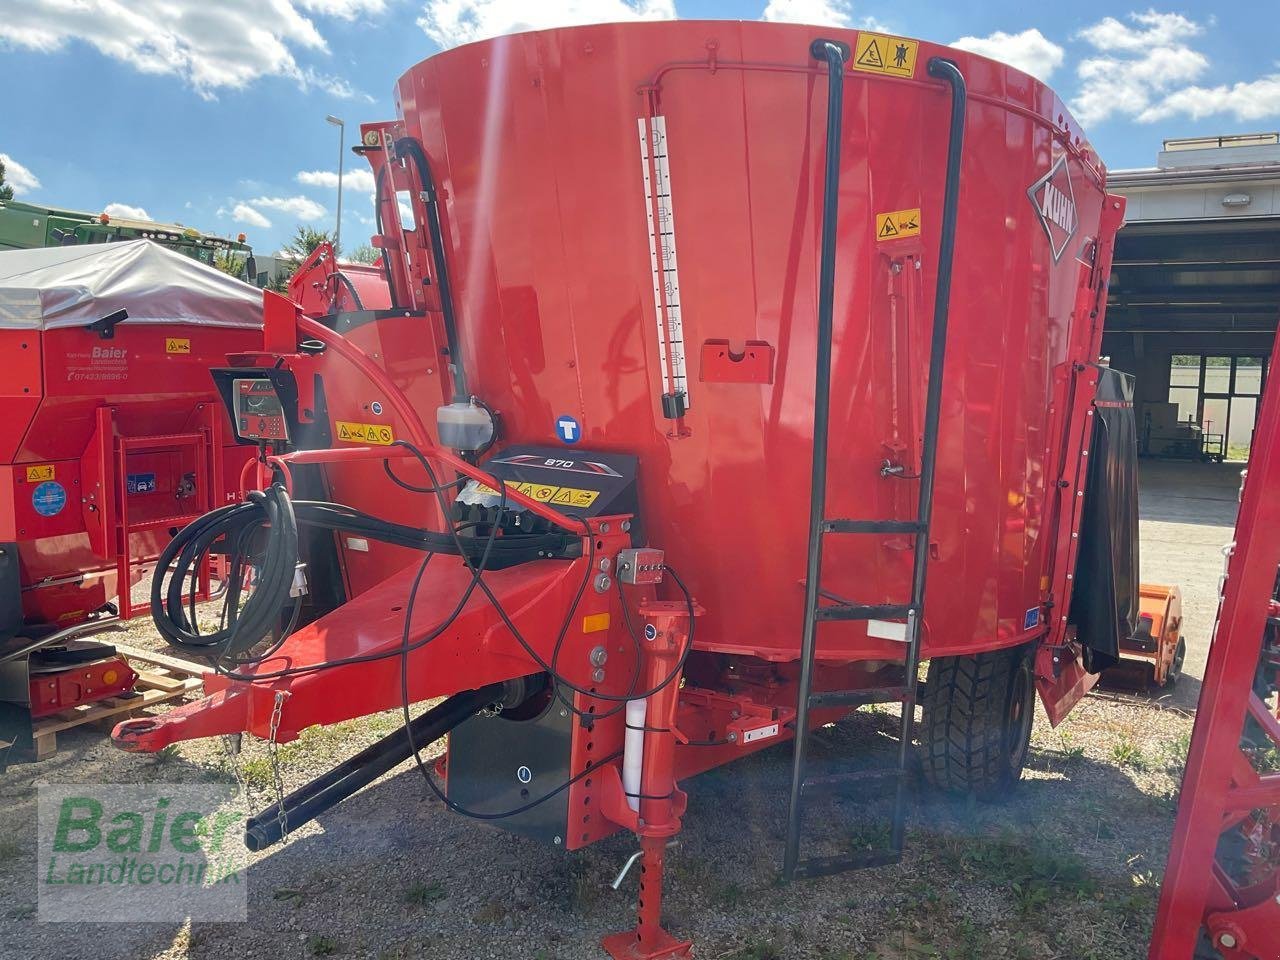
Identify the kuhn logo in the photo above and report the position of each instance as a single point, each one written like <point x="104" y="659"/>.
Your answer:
<point x="1055" y="203"/>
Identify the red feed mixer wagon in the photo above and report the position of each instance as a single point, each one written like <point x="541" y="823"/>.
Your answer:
<point x="732" y="370"/>
<point x="112" y="437"/>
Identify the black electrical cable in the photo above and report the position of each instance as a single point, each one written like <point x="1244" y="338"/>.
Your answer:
<point x="341" y="278"/>
<point x="272" y="516"/>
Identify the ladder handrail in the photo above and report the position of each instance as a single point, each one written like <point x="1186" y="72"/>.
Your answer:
<point x="834" y="55"/>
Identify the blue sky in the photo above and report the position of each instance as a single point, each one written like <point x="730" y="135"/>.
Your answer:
<point x="211" y="112"/>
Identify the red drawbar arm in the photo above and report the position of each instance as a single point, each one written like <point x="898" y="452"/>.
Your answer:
<point x="475" y="649"/>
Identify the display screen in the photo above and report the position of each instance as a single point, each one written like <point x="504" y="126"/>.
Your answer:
<point x="258" y="411"/>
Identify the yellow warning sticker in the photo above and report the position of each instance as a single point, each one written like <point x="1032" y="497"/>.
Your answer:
<point x="545" y="493"/>
<point x="378" y="434"/>
<point x="177" y="345"/>
<point x="898" y="223"/>
<point x="881" y="53"/>
<point x="41" y="473"/>
<point x="572" y="497"/>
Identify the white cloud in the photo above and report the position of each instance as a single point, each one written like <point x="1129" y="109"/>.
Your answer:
<point x="211" y="44"/>
<point x="17" y="176"/>
<point x="1255" y="100"/>
<point x="1152" y="30"/>
<point x="1029" y="51"/>
<point x="1138" y="66"/>
<point x="359" y="180"/>
<point x="304" y="208"/>
<point x="344" y="9"/>
<point x="452" y="22"/>
<point x="125" y="211"/>
<point x="833" y="13"/>
<point x="243" y="213"/>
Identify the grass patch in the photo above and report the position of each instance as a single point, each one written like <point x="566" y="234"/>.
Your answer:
<point x="760" y="950"/>
<point x="1126" y="753"/>
<point x="10" y="850"/>
<point x="320" y="945"/>
<point x="1033" y="871"/>
<point x="424" y="894"/>
<point x="1175" y="753"/>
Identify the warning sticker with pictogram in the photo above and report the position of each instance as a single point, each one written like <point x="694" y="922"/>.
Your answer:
<point x="378" y="434"/>
<point x="897" y="224"/>
<point x="881" y="53"/>
<point x="573" y="497"/>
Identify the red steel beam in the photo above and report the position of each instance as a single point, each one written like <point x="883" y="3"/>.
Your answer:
<point x="1207" y="785"/>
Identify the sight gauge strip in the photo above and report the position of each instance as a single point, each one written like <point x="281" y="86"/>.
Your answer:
<point x="662" y="254"/>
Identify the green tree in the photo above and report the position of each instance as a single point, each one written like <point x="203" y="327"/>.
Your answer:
<point x="365" y="253"/>
<point x="229" y="263"/>
<point x="304" y="242"/>
<point x="6" y="191"/>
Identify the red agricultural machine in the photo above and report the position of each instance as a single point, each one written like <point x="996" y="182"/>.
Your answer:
<point x="112" y="438"/>
<point x="322" y="286"/>
<point x="637" y="513"/>
<point x="1221" y="892"/>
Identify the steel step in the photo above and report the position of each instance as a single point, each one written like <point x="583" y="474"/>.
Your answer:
<point x="834" y="781"/>
<point x="863" y="611"/>
<point x="826" y="866"/>
<point x="872" y="526"/>
<point x="857" y="698"/>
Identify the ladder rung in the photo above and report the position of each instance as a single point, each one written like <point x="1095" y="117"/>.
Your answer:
<point x="858" y="611"/>
<point x="856" y="698"/>
<point x="826" y="866"/>
<point x="159" y="440"/>
<point x="872" y="526"/>
<point x="834" y="781"/>
<point x="159" y="524"/>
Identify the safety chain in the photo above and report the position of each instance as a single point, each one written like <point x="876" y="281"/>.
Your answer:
<point x="273" y="748"/>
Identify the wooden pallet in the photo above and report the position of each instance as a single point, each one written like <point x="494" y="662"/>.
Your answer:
<point x="161" y="678"/>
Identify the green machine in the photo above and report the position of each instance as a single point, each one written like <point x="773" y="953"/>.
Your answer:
<point x="24" y="226"/>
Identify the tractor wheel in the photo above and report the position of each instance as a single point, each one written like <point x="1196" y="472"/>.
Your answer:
<point x="977" y="722"/>
<point x="1175" y="668"/>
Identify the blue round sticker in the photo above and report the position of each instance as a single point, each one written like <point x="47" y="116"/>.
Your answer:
<point x="568" y="429"/>
<point x="49" y="498"/>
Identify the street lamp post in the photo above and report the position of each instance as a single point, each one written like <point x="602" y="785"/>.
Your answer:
<point x="342" y="135"/>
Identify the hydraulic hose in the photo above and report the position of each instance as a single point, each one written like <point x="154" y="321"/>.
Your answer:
<point x="411" y="148"/>
<point x="261" y="536"/>
<point x="264" y="513"/>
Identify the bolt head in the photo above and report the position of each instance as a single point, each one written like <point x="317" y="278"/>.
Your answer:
<point x="1227" y="940"/>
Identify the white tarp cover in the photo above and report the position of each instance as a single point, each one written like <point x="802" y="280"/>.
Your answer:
<point x="54" y="287"/>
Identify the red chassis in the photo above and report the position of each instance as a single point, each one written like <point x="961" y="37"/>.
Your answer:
<point x="1227" y="804"/>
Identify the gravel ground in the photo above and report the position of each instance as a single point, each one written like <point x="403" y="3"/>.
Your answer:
<point x="1066" y="868"/>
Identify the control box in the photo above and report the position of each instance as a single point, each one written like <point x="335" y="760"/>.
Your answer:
<point x="257" y="410"/>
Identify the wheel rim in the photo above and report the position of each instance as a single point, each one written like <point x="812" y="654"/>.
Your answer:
<point x="1018" y="721"/>
<point x="1179" y="657"/>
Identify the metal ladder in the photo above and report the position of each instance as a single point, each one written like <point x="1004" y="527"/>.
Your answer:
<point x="834" y="55"/>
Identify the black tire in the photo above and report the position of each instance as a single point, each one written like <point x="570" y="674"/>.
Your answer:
<point x="978" y="713"/>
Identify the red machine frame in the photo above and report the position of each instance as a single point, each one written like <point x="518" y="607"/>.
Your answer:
<point x="739" y="693"/>
<point x="1222" y="789"/>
